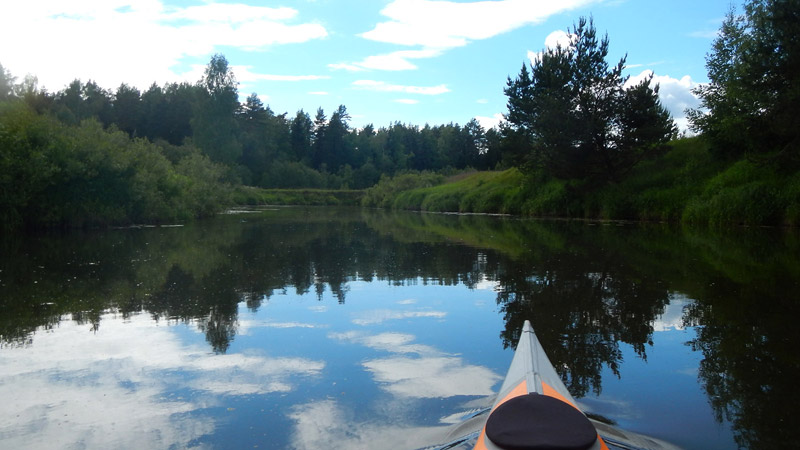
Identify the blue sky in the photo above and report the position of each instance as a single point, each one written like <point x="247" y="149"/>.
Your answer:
<point x="413" y="61"/>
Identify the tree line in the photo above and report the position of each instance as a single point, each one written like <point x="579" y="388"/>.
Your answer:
<point x="89" y="156"/>
<point x="258" y="146"/>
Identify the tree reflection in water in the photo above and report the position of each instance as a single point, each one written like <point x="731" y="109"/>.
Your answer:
<point x="746" y="317"/>
<point x="587" y="289"/>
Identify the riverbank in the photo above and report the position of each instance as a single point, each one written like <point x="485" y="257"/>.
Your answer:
<point x="252" y="196"/>
<point x="686" y="184"/>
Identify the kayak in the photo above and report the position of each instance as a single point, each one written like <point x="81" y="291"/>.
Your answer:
<point x="535" y="411"/>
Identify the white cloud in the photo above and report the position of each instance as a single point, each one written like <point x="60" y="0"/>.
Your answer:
<point x="650" y="64"/>
<point x="448" y="24"/>
<point x="137" y="42"/>
<point x="394" y="61"/>
<point x="436" y="26"/>
<point x="488" y="123"/>
<point x="235" y="13"/>
<point x="551" y="42"/>
<point x="345" y="66"/>
<point x="381" y="86"/>
<point x="556" y="38"/>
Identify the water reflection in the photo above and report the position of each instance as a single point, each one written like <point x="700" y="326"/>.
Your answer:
<point x="749" y="339"/>
<point x="76" y="389"/>
<point x="422" y="371"/>
<point x="328" y="425"/>
<point x="591" y="292"/>
<point x="410" y="374"/>
<point x="584" y="300"/>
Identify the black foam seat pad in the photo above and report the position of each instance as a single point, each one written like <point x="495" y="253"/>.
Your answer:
<point x="539" y="422"/>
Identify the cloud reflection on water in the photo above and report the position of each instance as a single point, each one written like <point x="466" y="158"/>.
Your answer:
<point x="116" y="388"/>
<point x="382" y="315"/>
<point x="431" y="377"/>
<point x="672" y="318"/>
<point x="432" y="374"/>
<point x="327" y="425"/>
<point x="415" y="373"/>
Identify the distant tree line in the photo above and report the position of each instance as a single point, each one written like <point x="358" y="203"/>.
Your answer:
<point x="87" y="156"/>
<point x="258" y="146"/>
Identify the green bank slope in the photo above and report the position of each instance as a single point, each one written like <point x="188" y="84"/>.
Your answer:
<point x="686" y="184"/>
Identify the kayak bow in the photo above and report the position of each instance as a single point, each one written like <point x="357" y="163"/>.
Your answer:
<point x="533" y="409"/>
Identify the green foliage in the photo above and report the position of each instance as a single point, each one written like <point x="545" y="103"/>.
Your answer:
<point x="6" y="84"/>
<point x="214" y="123"/>
<point x="477" y="192"/>
<point x="257" y="146"/>
<point x="579" y="119"/>
<point x="288" y="175"/>
<point x="685" y="184"/>
<point x="743" y="194"/>
<point x="85" y="175"/>
<point x="26" y="141"/>
<point x="382" y="195"/>
<point x="203" y="193"/>
<point x="252" y="196"/>
<point x="751" y="103"/>
<point x="88" y="156"/>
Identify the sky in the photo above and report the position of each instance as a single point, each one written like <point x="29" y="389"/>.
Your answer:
<point x="412" y="61"/>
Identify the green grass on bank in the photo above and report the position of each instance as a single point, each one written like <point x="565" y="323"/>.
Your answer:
<point x="479" y="192"/>
<point x="686" y="184"/>
<point x="247" y="195"/>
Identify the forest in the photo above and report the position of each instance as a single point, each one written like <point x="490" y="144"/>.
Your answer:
<point x="89" y="156"/>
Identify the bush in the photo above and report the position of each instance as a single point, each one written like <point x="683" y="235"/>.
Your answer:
<point x="551" y="199"/>
<point x="54" y="175"/>
<point x="292" y="175"/>
<point x="744" y="194"/>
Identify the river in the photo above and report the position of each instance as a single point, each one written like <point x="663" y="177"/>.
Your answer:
<point x="337" y="328"/>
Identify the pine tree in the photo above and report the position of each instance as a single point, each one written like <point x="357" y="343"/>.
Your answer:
<point x="577" y="115"/>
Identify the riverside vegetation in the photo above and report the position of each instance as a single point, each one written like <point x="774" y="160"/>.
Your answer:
<point x="578" y="142"/>
<point x="686" y="184"/>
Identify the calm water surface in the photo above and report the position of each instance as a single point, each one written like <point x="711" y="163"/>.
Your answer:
<point x="351" y="329"/>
